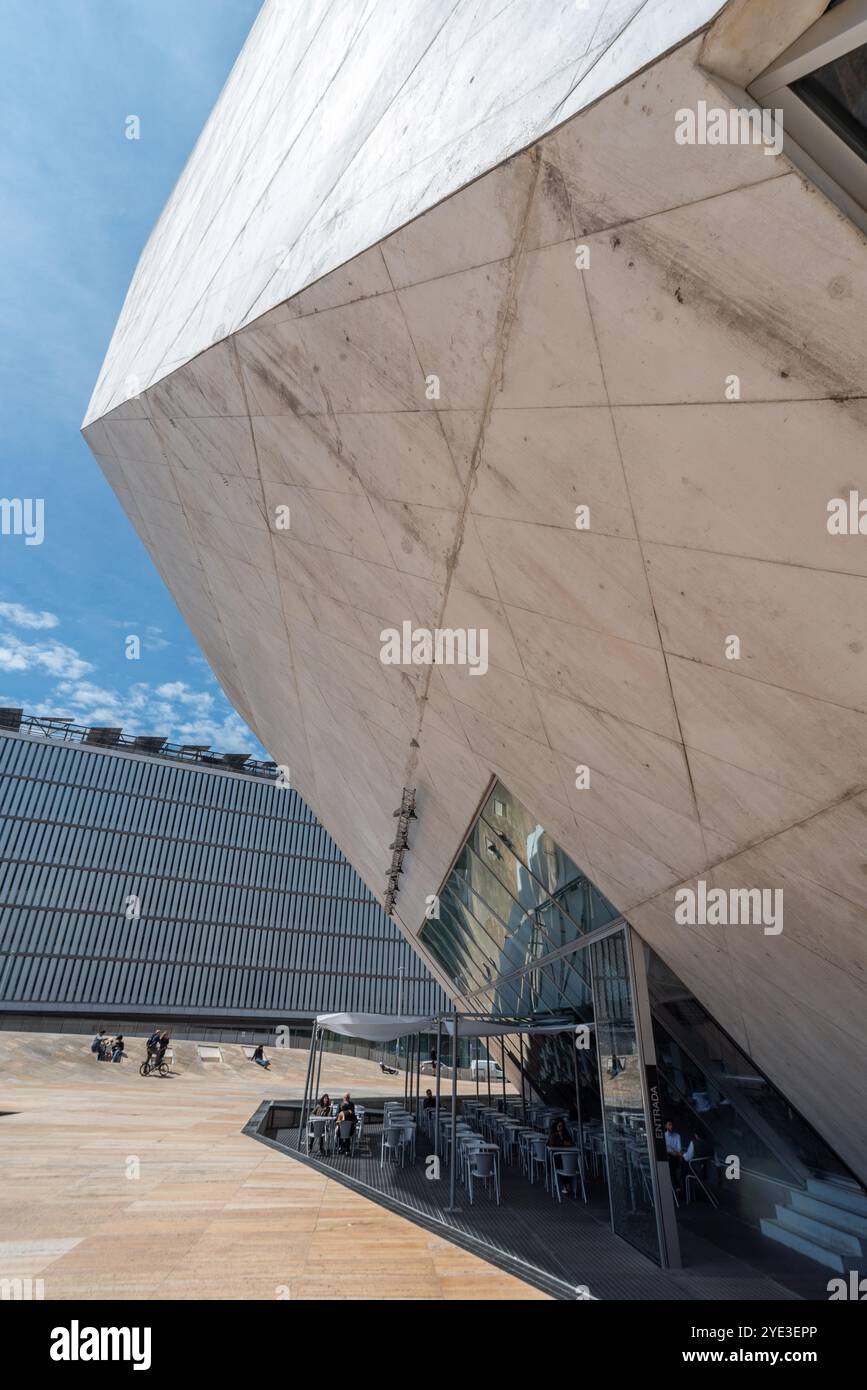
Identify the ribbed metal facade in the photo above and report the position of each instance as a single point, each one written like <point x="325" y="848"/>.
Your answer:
<point x="246" y="907"/>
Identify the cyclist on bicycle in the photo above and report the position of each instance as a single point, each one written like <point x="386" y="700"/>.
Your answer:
<point x="153" y="1043"/>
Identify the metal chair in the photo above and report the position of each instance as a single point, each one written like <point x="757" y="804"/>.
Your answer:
<point x="346" y="1135"/>
<point x="509" y="1140"/>
<point x="317" y="1133"/>
<point x="482" y="1164"/>
<point x="393" y="1142"/>
<point x="695" y="1178"/>
<point x="537" y="1153"/>
<point x="525" y="1138"/>
<point x="594" y="1143"/>
<point x="566" y="1163"/>
<point x="409" y="1133"/>
<point x="467" y="1144"/>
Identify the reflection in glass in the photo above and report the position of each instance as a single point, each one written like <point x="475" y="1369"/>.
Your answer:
<point x="512" y="898"/>
<point x="723" y="1106"/>
<point x="629" y="1179"/>
<point x="837" y="93"/>
<point x="512" y="901"/>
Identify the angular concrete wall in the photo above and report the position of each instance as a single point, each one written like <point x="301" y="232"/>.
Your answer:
<point x="340" y="121"/>
<point x="559" y="386"/>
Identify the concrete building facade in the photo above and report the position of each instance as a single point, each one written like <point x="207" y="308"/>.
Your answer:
<point x="137" y="882"/>
<point x="488" y="417"/>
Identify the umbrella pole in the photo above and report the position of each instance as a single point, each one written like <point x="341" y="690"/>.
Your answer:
<point x="307" y="1084"/>
<point x="523" y="1097"/>
<point x="454" y="1163"/>
<point x="316" y="1090"/>
<point x="439" y="1074"/>
<point x="503" y="1067"/>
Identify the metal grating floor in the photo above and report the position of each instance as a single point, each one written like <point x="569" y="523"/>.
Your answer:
<point x="556" y="1247"/>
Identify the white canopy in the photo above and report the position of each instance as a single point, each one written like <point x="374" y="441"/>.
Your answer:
<point x="387" y="1027"/>
<point x="374" y="1027"/>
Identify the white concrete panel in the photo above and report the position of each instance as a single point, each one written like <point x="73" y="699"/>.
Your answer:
<point x="801" y="629"/>
<point x="551" y="354"/>
<point x="809" y="746"/>
<point x="278" y="190"/>
<point x="574" y="450"/>
<point x="579" y="577"/>
<point x="636" y="143"/>
<point x="686" y="299"/>
<point x="705" y="491"/>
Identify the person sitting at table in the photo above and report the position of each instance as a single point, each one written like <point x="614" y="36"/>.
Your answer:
<point x="559" y="1136"/>
<point x="321" y="1108"/>
<point x="347" y="1112"/>
<point x="674" y="1149"/>
<point x="429" y="1102"/>
<point x="344" y="1146"/>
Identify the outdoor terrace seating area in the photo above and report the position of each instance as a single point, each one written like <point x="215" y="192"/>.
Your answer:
<point x="514" y="1203"/>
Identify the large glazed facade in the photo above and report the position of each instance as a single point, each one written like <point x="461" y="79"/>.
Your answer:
<point x="482" y="346"/>
<point x="625" y="1047"/>
<point x="135" y="883"/>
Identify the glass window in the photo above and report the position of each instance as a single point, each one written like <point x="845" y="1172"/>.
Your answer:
<point x="724" y="1109"/>
<point x="837" y="93"/>
<point x="630" y="1188"/>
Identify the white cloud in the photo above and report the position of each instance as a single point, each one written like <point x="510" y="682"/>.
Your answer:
<point x="201" y="700"/>
<point x="20" y="616"/>
<point x="149" y="634"/>
<point x="172" y="709"/>
<point x="154" y="640"/>
<point x="53" y="657"/>
<point x="179" y="711"/>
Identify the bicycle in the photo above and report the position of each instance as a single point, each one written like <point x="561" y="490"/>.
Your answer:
<point x="154" y="1062"/>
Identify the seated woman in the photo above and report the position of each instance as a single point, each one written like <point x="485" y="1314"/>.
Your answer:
<point x="344" y="1145"/>
<point x="260" y="1058"/>
<point x="322" y="1108"/>
<point x="559" y="1136"/>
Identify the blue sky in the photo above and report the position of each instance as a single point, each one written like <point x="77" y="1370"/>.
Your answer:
<point x="77" y="202"/>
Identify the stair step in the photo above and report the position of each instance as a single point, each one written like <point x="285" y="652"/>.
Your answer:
<point x="823" y="1234"/>
<point x="839" y="1195"/>
<point x="775" y="1231"/>
<point x="840" y="1217"/>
